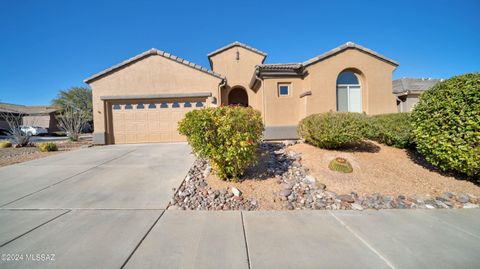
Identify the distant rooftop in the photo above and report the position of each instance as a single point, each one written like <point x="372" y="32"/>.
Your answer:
<point x="30" y="110"/>
<point x="403" y="85"/>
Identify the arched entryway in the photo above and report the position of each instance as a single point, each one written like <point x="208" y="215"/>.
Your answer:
<point x="349" y="92"/>
<point x="238" y="96"/>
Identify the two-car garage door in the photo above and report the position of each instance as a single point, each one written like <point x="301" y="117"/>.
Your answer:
<point x="150" y="121"/>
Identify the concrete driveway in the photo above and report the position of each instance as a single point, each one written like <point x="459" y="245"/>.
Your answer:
<point x="104" y="207"/>
<point x="110" y="177"/>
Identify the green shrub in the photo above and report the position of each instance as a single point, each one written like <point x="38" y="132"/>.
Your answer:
<point x="340" y="165"/>
<point x="446" y="124"/>
<point x="5" y="144"/>
<point x="391" y="129"/>
<point x="333" y="129"/>
<point x="47" y="147"/>
<point x="228" y="136"/>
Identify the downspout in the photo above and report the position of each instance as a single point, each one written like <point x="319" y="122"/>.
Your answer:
<point x="257" y="78"/>
<point x="219" y="94"/>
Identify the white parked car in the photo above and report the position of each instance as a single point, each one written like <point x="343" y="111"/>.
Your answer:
<point x="33" y="130"/>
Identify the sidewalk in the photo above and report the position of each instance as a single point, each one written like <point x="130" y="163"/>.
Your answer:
<point x="233" y="239"/>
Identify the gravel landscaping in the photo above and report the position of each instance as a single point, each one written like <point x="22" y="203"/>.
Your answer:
<point x="292" y="176"/>
<point x="9" y="156"/>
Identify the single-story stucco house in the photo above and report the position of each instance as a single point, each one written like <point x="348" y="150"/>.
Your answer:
<point x="141" y="99"/>
<point x="43" y="116"/>
<point x="408" y="91"/>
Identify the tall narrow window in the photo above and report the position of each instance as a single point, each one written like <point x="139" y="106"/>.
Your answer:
<point x="349" y="94"/>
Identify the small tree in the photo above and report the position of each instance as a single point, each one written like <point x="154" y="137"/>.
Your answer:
<point x="72" y="121"/>
<point x="15" y="121"/>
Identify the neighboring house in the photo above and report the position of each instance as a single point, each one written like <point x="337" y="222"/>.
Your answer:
<point x="43" y="116"/>
<point x="141" y="99"/>
<point x="408" y="91"/>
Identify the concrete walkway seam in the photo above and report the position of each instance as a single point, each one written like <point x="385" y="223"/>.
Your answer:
<point x="63" y="180"/>
<point x="34" y="228"/>
<point x="141" y="240"/>
<point x="362" y="240"/>
<point x="246" y="242"/>
<point x="453" y="226"/>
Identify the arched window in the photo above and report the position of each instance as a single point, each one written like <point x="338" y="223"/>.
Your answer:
<point x="152" y="106"/>
<point x="199" y="104"/>
<point x="349" y="93"/>
<point x="140" y="106"/>
<point x="187" y="104"/>
<point x="116" y="107"/>
<point x="175" y="105"/>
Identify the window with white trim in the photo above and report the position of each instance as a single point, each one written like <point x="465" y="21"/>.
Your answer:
<point x="349" y="93"/>
<point x="283" y="89"/>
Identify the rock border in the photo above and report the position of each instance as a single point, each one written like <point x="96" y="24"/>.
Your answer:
<point x="300" y="191"/>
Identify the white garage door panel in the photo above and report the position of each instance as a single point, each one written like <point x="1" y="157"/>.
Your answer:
<point x="157" y="121"/>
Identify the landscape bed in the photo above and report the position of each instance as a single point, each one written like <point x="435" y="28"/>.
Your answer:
<point x="292" y="175"/>
<point x="12" y="155"/>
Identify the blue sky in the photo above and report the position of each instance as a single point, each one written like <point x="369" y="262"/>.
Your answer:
<point x="47" y="45"/>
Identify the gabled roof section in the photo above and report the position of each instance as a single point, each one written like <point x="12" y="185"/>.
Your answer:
<point x="148" y="53"/>
<point x="349" y="45"/>
<point x="409" y="85"/>
<point x="236" y="44"/>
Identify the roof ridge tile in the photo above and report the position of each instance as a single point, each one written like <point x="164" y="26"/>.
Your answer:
<point x="151" y="52"/>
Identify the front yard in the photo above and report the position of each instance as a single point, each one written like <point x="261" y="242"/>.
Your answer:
<point x="12" y="155"/>
<point x="296" y="176"/>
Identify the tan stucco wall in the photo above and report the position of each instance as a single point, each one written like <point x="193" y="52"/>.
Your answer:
<point x="283" y="110"/>
<point x="151" y="75"/>
<point x="410" y="102"/>
<point x="238" y="72"/>
<point x="376" y="82"/>
<point x="376" y="85"/>
<point x="157" y="75"/>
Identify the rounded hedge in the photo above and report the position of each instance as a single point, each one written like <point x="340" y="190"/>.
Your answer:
<point x="333" y="129"/>
<point x="391" y="129"/>
<point x="446" y="124"/>
<point x="228" y="136"/>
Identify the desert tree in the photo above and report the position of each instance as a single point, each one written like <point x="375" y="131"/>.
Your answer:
<point x="77" y="97"/>
<point x="15" y="121"/>
<point x="72" y="120"/>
